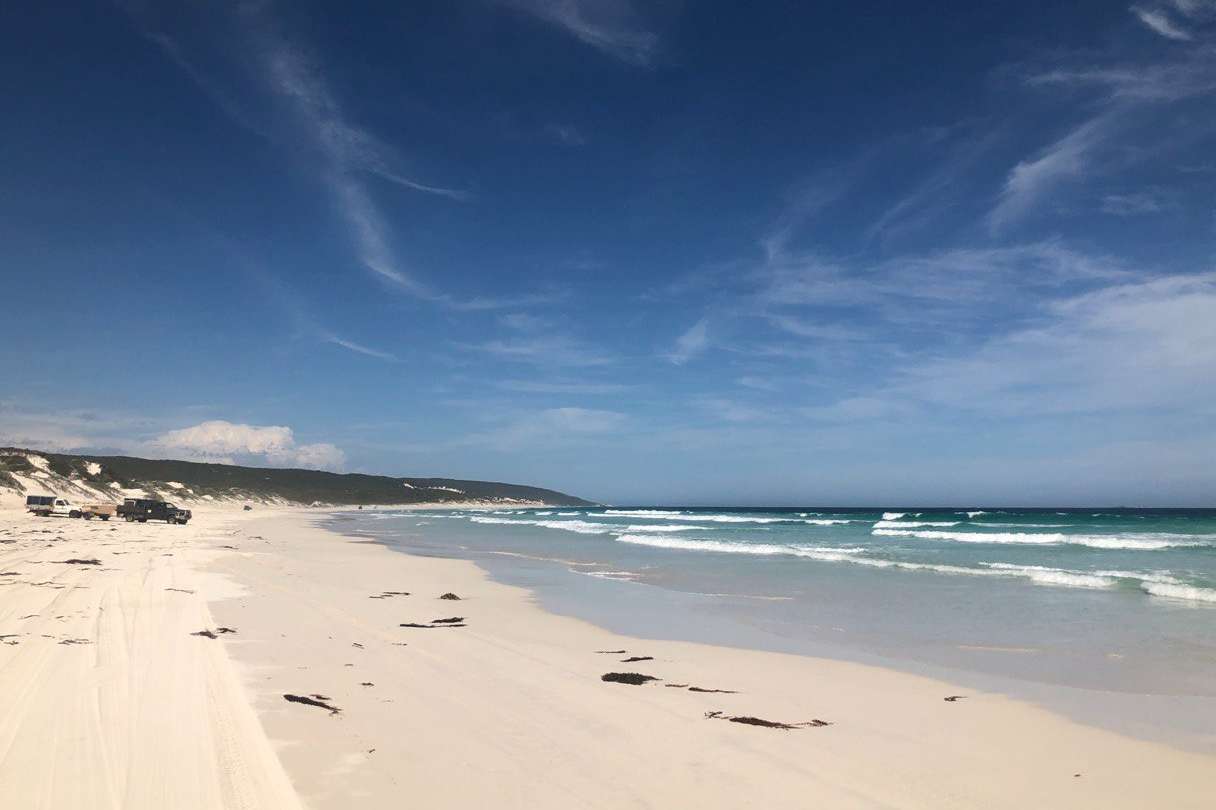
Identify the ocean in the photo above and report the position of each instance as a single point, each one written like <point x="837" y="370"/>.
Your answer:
<point x="1119" y="601"/>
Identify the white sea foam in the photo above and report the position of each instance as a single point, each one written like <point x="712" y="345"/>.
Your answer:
<point x="640" y="512"/>
<point x="727" y="547"/>
<point x="1163" y="577"/>
<point x="893" y="524"/>
<point x="567" y="514"/>
<point x="649" y="528"/>
<point x="1170" y="590"/>
<point x="1141" y="542"/>
<point x="583" y="526"/>
<point x="1055" y="576"/>
<point x="893" y="515"/>
<point x="1039" y="574"/>
<point x="616" y="576"/>
<point x="972" y="515"/>
<point x="580" y="526"/>
<point x="683" y="516"/>
<point x="988" y="525"/>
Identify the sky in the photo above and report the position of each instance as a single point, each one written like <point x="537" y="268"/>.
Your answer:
<point x="670" y="252"/>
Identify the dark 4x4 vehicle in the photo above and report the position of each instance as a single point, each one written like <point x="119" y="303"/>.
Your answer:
<point x="143" y="510"/>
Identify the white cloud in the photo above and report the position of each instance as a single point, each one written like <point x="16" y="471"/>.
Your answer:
<point x="1031" y="179"/>
<point x="359" y="348"/>
<point x="729" y="410"/>
<point x="858" y="409"/>
<point x="229" y="443"/>
<point x="65" y="431"/>
<point x="1159" y="22"/>
<point x="1148" y="344"/>
<point x="523" y="322"/>
<point x="611" y="26"/>
<point x="551" y="387"/>
<point x="947" y="287"/>
<point x="549" y="427"/>
<point x="554" y="350"/>
<point x="565" y="134"/>
<point x="1127" y="205"/>
<point x="345" y="154"/>
<point x="691" y="343"/>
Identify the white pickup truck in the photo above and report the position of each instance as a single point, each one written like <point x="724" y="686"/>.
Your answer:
<point x="50" y="506"/>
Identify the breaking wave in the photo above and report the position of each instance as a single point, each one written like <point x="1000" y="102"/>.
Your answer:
<point x="1171" y="590"/>
<point x="585" y="527"/>
<point x="891" y="524"/>
<point x="1129" y="542"/>
<point x="657" y="515"/>
<point x="580" y="526"/>
<point x="727" y="547"/>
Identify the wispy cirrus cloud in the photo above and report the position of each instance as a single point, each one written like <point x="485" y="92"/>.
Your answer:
<point x="561" y="387"/>
<point x="1175" y="19"/>
<point x="287" y="100"/>
<point x="611" y="26"/>
<point x="1127" y="103"/>
<point x="549" y="427"/>
<point x="1091" y="352"/>
<point x="1033" y="178"/>
<point x="690" y="343"/>
<point x="1135" y="203"/>
<point x="359" y="348"/>
<point x="550" y="349"/>
<point x="1159" y="22"/>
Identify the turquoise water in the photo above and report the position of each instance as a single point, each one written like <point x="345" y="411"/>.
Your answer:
<point x="1098" y="599"/>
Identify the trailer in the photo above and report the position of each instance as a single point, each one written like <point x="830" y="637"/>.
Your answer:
<point x="105" y="511"/>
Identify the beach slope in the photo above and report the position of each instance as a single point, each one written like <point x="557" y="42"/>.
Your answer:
<point x="398" y="695"/>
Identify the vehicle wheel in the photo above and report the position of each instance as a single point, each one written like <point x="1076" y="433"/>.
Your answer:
<point x="143" y="520"/>
<point x="129" y="518"/>
<point x="73" y="514"/>
<point x="87" y="516"/>
<point x="104" y="517"/>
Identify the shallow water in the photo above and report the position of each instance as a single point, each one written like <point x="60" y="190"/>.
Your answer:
<point x="1056" y="605"/>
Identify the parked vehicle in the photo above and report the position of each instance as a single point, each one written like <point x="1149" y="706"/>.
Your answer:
<point x="37" y="503"/>
<point x="145" y="509"/>
<point x="50" y="506"/>
<point x="105" y="511"/>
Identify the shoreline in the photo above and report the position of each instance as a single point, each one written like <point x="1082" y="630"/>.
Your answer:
<point x="508" y="710"/>
<point x="658" y="613"/>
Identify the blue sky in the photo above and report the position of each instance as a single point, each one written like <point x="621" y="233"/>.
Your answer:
<point x="677" y="252"/>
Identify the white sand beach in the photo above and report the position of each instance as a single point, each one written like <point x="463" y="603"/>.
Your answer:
<point x="109" y="698"/>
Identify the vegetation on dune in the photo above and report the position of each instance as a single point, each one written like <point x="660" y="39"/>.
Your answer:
<point x="264" y="483"/>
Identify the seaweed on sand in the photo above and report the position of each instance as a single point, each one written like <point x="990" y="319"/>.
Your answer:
<point x="631" y="678"/>
<point x="747" y="720"/>
<point x="212" y="635"/>
<point x="308" y="701"/>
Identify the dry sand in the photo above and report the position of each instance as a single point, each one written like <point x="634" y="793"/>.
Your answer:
<point x="107" y="700"/>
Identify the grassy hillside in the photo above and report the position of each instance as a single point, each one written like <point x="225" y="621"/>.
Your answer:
<point x="257" y="483"/>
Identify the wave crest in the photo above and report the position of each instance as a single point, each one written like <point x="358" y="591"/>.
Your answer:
<point x="1127" y="542"/>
